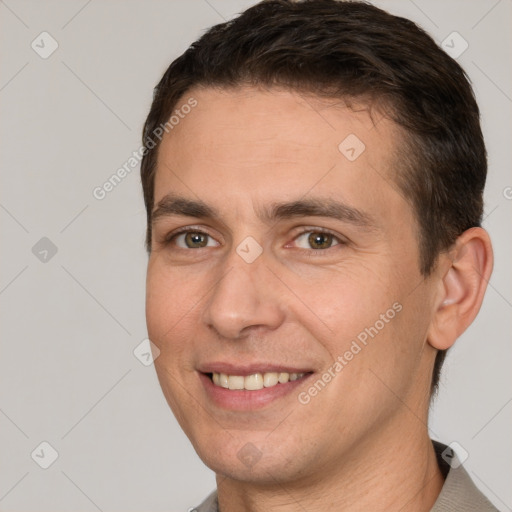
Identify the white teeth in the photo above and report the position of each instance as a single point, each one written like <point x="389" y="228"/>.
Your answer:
<point x="223" y="380"/>
<point x="284" y="378"/>
<point x="270" y="379"/>
<point x="255" y="381"/>
<point x="236" y="382"/>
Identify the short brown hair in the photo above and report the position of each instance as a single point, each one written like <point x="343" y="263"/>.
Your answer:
<point x="351" y="50"/>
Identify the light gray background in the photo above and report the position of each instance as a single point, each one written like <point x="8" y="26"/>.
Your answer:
<point x="70" y="324"/>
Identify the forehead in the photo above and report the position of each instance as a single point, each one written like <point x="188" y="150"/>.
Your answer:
<point x="277" y="144"/>
<point x="298" y="122"/>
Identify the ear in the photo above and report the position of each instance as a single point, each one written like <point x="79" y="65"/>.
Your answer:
<point x="464" y="273"/>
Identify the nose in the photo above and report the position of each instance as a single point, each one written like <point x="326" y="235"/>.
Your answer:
<point x="244" y="299"/>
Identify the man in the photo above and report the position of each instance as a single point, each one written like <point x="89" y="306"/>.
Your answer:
<point x="313" y="182"/>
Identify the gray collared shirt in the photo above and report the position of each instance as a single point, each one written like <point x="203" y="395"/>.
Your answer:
<point x="459" y="493"/>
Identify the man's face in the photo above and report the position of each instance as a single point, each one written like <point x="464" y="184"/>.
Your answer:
<point x="305" y="255"/>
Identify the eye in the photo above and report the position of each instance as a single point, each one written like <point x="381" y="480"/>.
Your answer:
<point x="192" y="240"/>
<point x="316" y="240"/>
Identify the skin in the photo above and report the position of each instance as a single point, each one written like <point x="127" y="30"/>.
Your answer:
<point x="362" y="442"/>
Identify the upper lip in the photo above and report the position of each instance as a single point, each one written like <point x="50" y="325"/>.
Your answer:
<point x="250" y="369"/>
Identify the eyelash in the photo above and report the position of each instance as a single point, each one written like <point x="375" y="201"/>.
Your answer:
<point x="311" y="252"/>
<point x="319" y="252"/>
<point x="189" y="229"/>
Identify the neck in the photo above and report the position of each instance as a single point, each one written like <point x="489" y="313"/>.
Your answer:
<point x="396" y="471"/>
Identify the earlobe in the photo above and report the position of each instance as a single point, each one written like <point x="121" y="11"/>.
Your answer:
<point x="466" y="271"/>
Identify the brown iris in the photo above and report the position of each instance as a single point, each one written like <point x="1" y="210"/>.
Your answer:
<point x="320" y="240"/>
<point x="196" y="240"/>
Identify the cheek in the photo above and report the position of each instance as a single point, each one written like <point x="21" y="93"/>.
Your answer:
<point x="159" y="304"/>
<point x="368" y="316"/>
<point x="340" y="304"/>
<point x="169" y="300"/>
<point x="168" y="312"/>
<point x="170" y="291"/>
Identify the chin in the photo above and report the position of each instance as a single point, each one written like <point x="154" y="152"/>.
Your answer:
<point x="253" y="457"/>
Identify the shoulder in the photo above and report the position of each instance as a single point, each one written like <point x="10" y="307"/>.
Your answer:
<point x="459" y="493"/>
<point x="210" y="504"/>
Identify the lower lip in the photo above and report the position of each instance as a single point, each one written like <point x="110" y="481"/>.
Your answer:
<point x="244" y="400"/>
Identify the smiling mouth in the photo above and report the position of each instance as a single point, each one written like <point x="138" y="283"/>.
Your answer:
<point x="255" y="381"/>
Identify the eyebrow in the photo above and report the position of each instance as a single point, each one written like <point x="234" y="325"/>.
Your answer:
<point x="172" y="205"/>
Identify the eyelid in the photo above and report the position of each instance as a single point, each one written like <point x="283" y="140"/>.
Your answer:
<point x="185" y="229"/>
<point x="315" y="229"/>
<point x="305" y="229"/>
